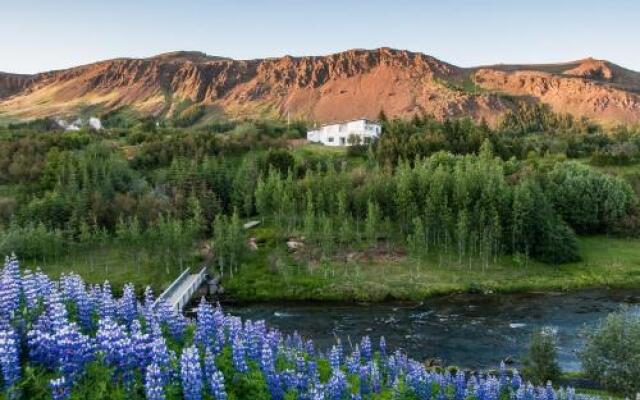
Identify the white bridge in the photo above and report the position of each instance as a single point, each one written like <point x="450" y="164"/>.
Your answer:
<point x="179" y="293"/>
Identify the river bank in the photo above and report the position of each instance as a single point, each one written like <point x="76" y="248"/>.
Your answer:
<point x="607" y="262"/>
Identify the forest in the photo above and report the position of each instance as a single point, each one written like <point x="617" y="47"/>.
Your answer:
<point x="163" y="196"/>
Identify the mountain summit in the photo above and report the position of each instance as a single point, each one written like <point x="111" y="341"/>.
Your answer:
<point x="354" y="83"/>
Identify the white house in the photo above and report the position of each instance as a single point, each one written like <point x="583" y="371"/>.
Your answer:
<point x="347" y="133"/>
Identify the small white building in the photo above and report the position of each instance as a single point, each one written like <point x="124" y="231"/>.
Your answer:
<point x="346" y="133"/>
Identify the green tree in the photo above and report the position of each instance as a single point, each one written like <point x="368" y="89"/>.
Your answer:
<point x="372" y="223"/>
<point x="541" y="363"/>
<point x="611" y="355"/>
<point x="280" y="160"/>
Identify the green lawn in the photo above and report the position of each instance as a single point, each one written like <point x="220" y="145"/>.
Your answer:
<point x="269" y="275"/>
<point x="319" y="149"/>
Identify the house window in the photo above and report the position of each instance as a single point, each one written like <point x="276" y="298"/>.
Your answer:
<point x="343" y="141"/>
<point x="342" y="127"/>
<point x="330" y="139"/>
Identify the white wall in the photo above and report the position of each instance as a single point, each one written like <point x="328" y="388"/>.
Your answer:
<point x="338" y="134"/>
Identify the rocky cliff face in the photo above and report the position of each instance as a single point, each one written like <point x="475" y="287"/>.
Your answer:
<point x="11" y="84"/>
<point x="355" y="83"/>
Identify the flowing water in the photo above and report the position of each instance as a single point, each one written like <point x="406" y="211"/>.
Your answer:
<point x="471" y="331"/>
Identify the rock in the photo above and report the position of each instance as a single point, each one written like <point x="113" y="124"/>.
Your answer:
<point x="509" y="360"/>
<point x="294" y="245"/>
<point x="433" y="362"/>
<point x="251" y="224"/>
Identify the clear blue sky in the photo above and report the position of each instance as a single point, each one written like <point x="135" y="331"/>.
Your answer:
<point x="49" y="34"/>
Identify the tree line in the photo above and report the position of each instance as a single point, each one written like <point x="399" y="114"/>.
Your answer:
<point x="452" y="186"/>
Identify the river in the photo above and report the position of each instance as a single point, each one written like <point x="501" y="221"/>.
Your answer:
<point x="470" y="331"/>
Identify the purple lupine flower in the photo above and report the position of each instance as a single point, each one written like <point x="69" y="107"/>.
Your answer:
<point x="309" y="348"/>
<point x="238" y="355"/>
<point x="416" y="377"/>
<point x="174" y="320"/>
<point x="312" y="372"/>
<point x="205" y="325"/>
<point x="316" y="392"/>
<point x="353" y="361"/>
<point x="298" y="344"/>
<point x="148" y="306"/>
<point x="40" y="341"/>
<point x="334" y="358"/>
<point x="516" y="380"/>
<point x="154" y="383"/>
<point x="273" y="339"/>
<point x="504" y="379"/>
<point x="289" y="379"/>
<point x="127" y="305"/>
<point x="59" y="388"/>
<point x="219" y="326"/>
<point x="30" y="290"/>
<point x="141" y="344"/>
<point x="214" y="377"/>
<point x="376" y="379"/>
<point x="107" y="307"/>
<point x="191" y="374"/>
<point x="73" y="290"/>
<point x="209" y="363"/>
<point x="73" y="350"/>
<point x="460" y="384"/>
<point x="159" y="355"/>
<point x="337" y="385"/>
<point x="43" y="283"/>
<point x="114" y="342"/>
<point x="86" y="309"/>
<point x="383" y="347"/>
<point x="233" y="327"/>
<point x="267" y="364"/>
<point x="251" y="344"/>
<point x="275" y="383"/>
<point x="10" y="287"/>
<point x="550" y="394"/>
<point x="9" y="356"/>
<point x="364" y="374"/>
<point x="365" y="347"/>
<point x="217" y="386"/>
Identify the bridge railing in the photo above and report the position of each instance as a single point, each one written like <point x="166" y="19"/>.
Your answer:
<point x="179" y="296"/>
<point x="195" y="285"/>
<point x="173" y="286"/>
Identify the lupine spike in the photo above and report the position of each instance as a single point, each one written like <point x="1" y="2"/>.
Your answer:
<point x="154" y="382"/>
<point x="191" y="374"/>
<point x="9" y="356"/>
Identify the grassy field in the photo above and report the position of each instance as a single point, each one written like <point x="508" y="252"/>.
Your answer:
<point x="607" y="262"/>
<point x="118" y="265"/>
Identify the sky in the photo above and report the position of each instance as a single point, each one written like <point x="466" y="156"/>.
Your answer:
<point x="41" y="35"/>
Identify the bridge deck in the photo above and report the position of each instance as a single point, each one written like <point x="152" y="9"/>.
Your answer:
<point x="179" y="293"/>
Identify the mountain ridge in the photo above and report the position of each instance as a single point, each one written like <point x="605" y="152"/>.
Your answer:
<point x="350" y="84"/>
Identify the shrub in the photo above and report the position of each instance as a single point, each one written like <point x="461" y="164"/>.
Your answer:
<point x="281" y="160"/>
<point x="611" y="355"/>
<point x="541" y="365"/>
<point x="589" y="200"/>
